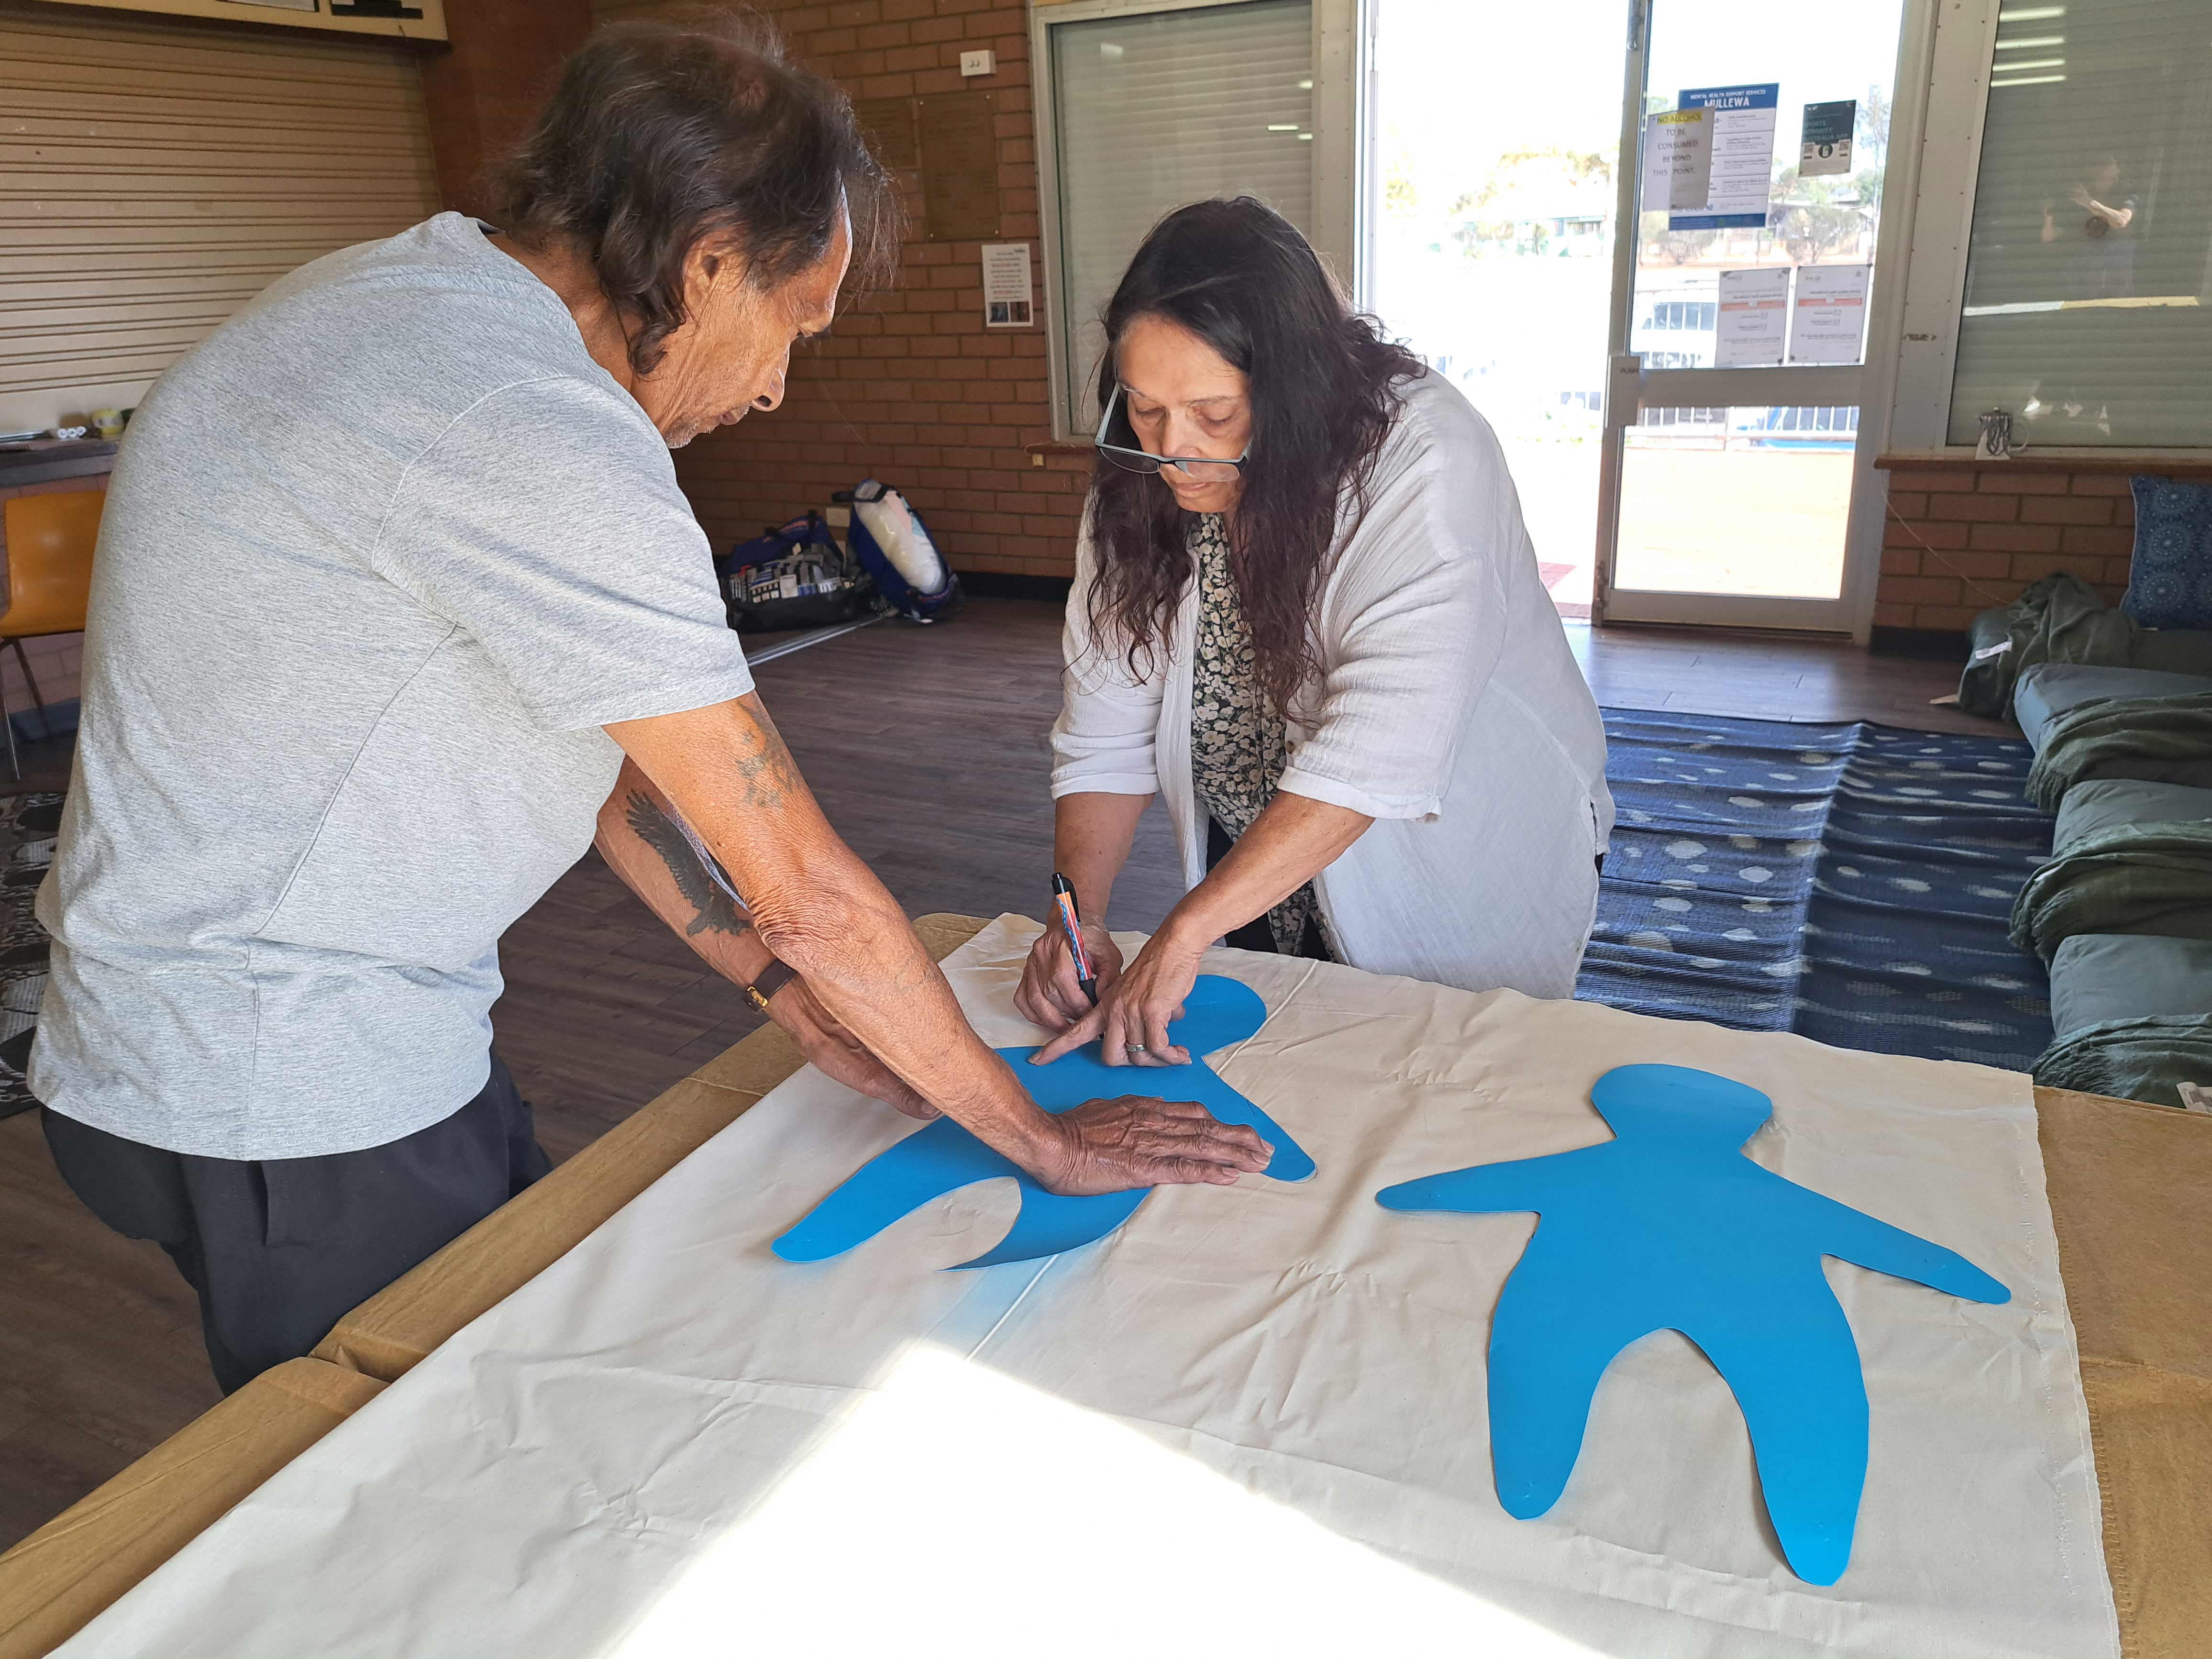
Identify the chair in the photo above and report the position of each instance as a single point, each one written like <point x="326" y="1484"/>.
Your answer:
<point x="49" y="540"/>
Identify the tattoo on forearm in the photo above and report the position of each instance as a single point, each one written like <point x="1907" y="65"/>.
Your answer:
<point x="709" y="898"/>
<point x="769" y="774"/>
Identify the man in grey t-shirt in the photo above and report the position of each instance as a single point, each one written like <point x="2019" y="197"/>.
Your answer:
<point x="397" y="603"/>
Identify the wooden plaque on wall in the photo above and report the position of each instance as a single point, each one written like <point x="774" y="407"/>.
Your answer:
<point x="944" y="148"/>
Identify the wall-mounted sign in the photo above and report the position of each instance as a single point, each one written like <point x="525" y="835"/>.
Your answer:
<point x="1007" y="298"/>
<point x="942" y="149"/>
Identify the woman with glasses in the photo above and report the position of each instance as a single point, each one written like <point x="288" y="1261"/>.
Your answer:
<point x="1307" y="615"/>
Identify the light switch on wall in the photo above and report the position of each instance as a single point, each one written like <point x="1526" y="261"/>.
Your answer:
<point x="979" y="63"/>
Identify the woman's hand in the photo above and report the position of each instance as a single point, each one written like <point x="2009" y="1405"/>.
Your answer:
<point x="1131" y="1021"/>
<point x="836" y="1053"/>
<point x="1050" y="994"/>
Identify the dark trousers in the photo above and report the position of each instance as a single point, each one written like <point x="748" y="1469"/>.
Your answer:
<point x="280" y="1249"/>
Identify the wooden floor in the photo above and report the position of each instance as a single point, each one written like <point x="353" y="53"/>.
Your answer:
<point x="927" y="748"/>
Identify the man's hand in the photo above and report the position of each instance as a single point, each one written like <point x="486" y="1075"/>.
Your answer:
<point x="836" y="1053"/>
<point x="1112" y="1145"/>
<point x="1050" y="994"/>
<point x="725" y="772"/>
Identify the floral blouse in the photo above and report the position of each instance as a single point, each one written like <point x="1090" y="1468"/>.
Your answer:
<point x="1239" y="742"/>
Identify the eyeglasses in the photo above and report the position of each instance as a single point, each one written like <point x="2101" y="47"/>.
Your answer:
<point x="1199" y="469"/>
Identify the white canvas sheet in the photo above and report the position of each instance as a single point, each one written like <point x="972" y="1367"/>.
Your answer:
<point x="1250" y="1422"/>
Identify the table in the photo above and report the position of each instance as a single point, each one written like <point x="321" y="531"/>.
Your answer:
<point x="2131" y="1192"/>
<point x="57" y="1579"/>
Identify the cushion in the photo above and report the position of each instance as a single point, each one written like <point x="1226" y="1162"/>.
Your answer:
<point x="2179" y="650"/>
<point x="2049" y="689"/>
<point x="2108" y="803"/>
<point x="2170" y="581"/>
<point x="2100" y="976"/>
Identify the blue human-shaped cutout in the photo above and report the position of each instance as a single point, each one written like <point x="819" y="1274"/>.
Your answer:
<point x="1668" y="1227"/>
<point x="943" y="1157"/>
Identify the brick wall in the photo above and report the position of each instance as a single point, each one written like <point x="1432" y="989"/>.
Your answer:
<point x="1963" y="537"/>
<point x="482" y="93"/>
<point x="912" y="388"/>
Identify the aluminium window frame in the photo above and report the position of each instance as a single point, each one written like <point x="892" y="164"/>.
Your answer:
<point x="1956" y="101"/>
<point x="1341" y="31"/>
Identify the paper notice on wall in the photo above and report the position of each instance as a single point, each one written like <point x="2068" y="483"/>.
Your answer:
<point x="1742" y="174"/>
<point x="1827" y="324"/>
<point x="1008" y="301"/>
<point x="1754" y="315"/>
<point x="1678" y="159"/>
<point x="1824" y="141"/>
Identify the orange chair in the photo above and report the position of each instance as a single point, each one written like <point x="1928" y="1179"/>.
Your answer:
<point x="49" y="542"/>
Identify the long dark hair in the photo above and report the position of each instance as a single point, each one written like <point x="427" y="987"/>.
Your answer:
<point x="663" y="132"/>
<point x="1324" y="391"/>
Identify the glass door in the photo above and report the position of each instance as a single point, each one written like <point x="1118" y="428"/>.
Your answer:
<point x="1734" y="489"/>
<point x="1490" y="235"/>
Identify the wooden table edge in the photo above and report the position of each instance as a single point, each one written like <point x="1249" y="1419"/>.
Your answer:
<point x="60" y="1578"/>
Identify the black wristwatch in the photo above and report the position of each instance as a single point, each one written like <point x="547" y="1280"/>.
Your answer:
<point x="773" y="978"/>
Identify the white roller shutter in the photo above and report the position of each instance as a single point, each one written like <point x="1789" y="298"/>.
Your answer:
<point x="154" y="177"/>
<point x="1157" y="109"/>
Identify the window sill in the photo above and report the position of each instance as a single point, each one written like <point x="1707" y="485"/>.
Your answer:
<point x="2191" y="461"/>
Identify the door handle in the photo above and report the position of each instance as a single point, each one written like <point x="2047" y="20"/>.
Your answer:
<point x="1623" y="390"/>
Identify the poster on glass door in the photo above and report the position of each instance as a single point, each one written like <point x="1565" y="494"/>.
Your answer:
<point x="1825" y="141"/>
<point x="1754" y="314"/>
<point x="1828" y="323"/>
<point x="1678" y="159"/>
<point x="1743" y="156"/>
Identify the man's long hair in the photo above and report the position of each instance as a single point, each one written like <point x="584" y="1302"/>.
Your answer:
<point x="663" y="133"/>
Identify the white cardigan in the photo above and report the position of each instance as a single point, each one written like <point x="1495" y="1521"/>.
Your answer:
<point x="1449" y="709"/>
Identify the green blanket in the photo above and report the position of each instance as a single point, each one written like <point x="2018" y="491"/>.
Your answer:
<point x="2130" y="878"/>
<point x="2145" y="1059"/>
<point x="2061" y="619"/>
<point x="2111" y="728"/>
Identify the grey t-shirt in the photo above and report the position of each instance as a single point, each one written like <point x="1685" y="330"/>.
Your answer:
<point x="380" y="558"/>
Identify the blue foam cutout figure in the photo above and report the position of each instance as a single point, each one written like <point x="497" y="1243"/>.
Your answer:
<point x="1668" y="1227"/>
<point x="943" y="1157"/>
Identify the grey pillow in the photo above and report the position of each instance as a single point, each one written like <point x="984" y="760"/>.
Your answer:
<point x="2100" y="976"/>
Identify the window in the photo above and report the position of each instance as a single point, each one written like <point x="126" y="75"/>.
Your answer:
<point x="1149" y="108"/>
<point x="2088" y="293"/>
<point x="1843" y="421"/>
<point x="1684" y="313"/>
<point x="1153" y="110"/>
<point x="1662" y="414"/>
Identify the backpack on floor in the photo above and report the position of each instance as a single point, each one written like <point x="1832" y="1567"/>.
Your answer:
<point x="793" y="577"/>
<point x="889" y="539"/>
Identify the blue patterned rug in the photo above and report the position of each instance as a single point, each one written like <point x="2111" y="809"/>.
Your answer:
<point x="1851" y="883"/>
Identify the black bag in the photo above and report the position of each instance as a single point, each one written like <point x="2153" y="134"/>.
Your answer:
<point x="793" y="577"/>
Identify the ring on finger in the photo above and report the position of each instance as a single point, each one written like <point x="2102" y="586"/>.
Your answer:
<point x="1135" y="1048"/>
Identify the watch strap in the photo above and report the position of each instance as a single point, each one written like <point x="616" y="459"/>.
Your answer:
<point x="770" y="980"/>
